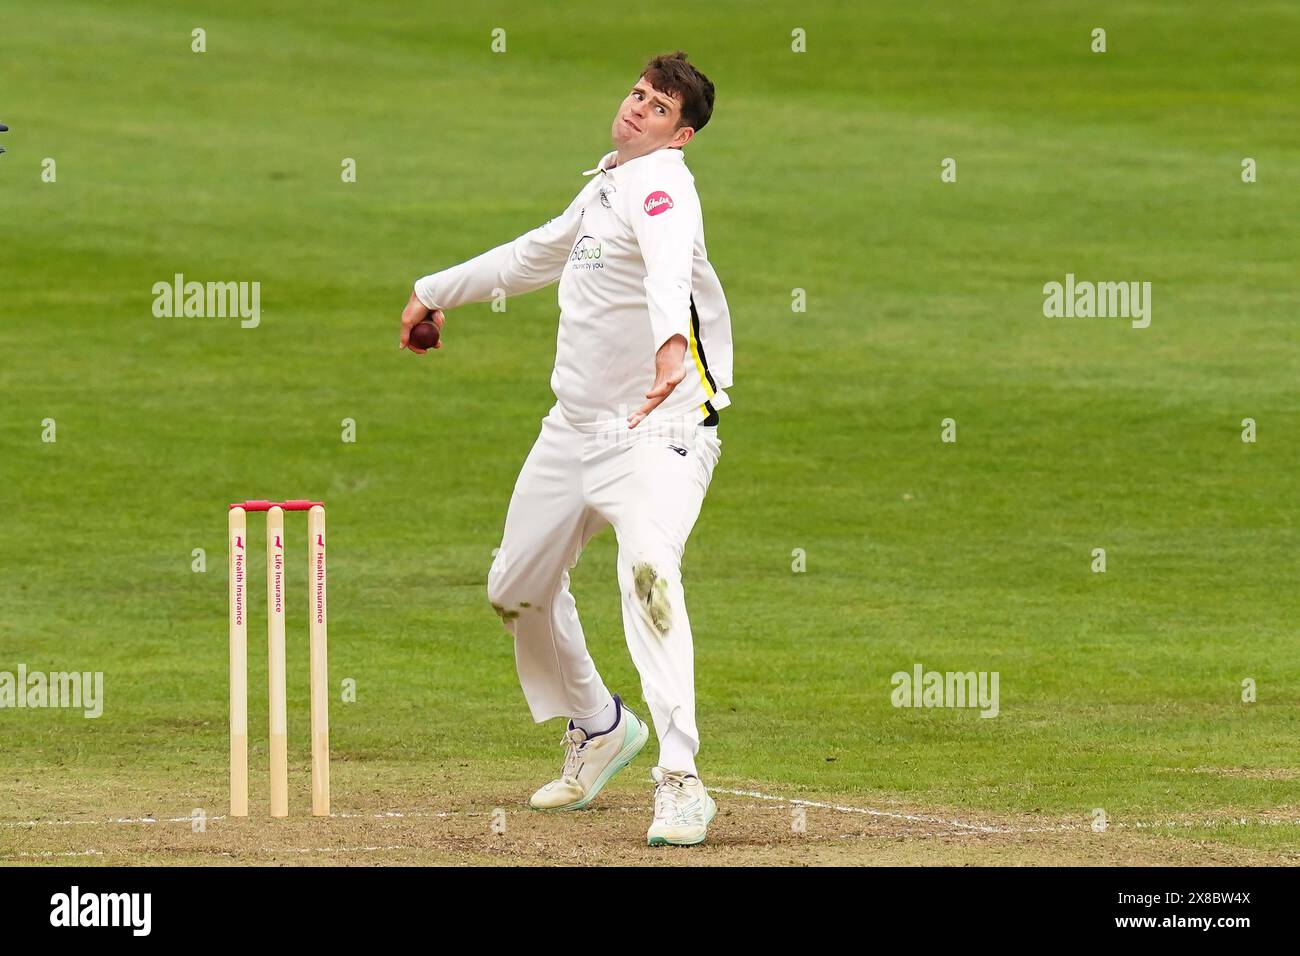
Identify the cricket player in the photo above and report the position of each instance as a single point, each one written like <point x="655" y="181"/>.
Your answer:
<point x="642" y="359"/>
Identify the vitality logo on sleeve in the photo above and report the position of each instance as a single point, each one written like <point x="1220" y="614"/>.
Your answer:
<point x="657" y="202"/>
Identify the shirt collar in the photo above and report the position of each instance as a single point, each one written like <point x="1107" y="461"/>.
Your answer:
<point x="606" y="164"/>
<point x="603" y="165"/>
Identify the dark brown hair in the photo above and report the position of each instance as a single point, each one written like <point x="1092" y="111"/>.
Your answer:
<point x="670" y="73"/>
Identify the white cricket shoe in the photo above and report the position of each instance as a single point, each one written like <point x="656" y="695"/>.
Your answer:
<point x="590" y="762"/>
<point x="683" y="809"/>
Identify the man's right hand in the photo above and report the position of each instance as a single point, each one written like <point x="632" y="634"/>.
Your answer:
<point x="415" y="313"/>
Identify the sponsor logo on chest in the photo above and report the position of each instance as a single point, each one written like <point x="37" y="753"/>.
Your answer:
<point x="587" y="254"/>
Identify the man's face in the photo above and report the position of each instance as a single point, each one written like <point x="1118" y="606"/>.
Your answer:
<point x="647" y="120"/>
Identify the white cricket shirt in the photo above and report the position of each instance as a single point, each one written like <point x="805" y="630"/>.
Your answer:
<point x="630" y="259"/>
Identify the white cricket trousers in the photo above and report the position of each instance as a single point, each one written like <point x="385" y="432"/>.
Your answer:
<point x="649" y="483"/>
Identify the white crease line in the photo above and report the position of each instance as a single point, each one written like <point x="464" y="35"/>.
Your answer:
<point x="393" y="814"/>
<point x="47" y="854"/>
<point x="974" y="827"/>
<point x="334" y="849"/>
<point x="840" y="808"/>
<point x="110" y="820"/>
<point x="385" y="815"/>
<point x="1209" y="824"/>
<point x="146" y="821"/>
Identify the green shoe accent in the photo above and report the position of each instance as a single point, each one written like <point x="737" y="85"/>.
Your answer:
<point x="634" y="738"/>
<point x="664" y="841"/>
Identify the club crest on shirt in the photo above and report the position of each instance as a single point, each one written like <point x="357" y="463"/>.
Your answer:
<point x="657" y="202"/>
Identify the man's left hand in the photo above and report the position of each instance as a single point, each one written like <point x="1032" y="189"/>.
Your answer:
<point x="670" y="369"/>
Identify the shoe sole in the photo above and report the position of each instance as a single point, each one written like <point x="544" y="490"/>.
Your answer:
<point x="624" y="757"/>
<point x="664" y="841"/>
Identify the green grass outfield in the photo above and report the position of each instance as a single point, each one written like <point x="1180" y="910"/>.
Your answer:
<point x="819" y="171"/>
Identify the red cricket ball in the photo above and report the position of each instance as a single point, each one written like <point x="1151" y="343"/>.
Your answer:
<point x="424" y="335"/>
